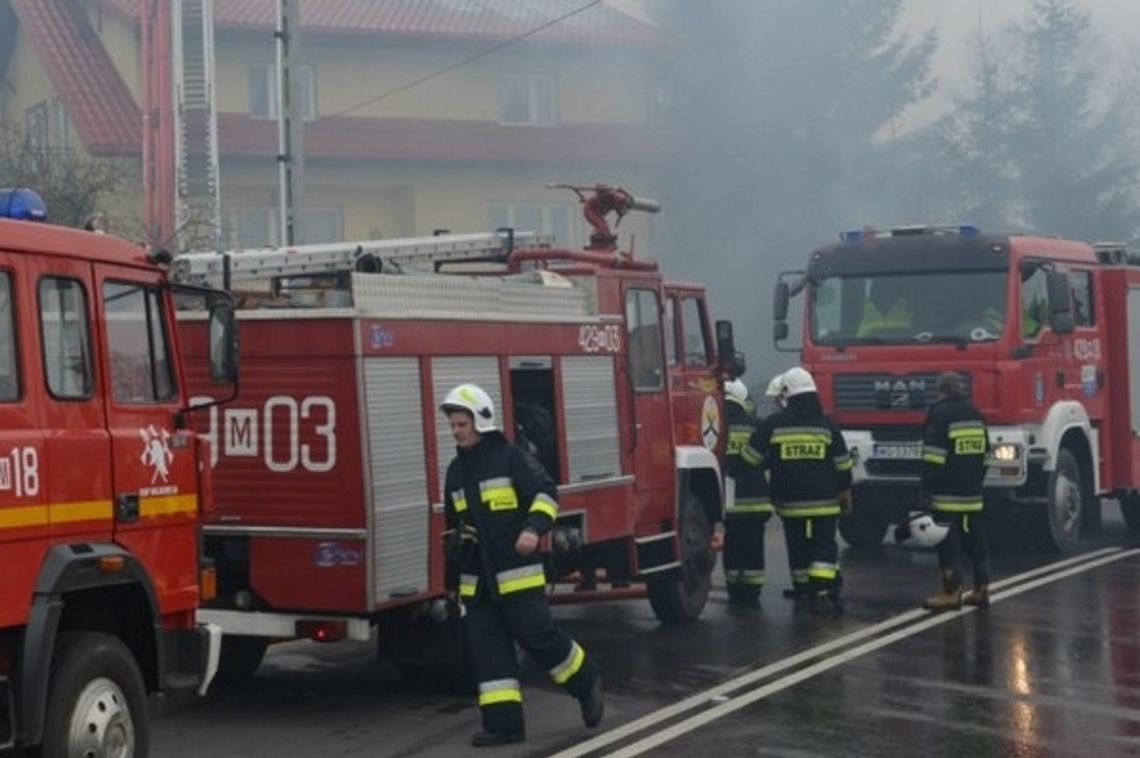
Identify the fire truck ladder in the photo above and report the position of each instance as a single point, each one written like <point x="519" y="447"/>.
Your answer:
<point x="230" y="269"/>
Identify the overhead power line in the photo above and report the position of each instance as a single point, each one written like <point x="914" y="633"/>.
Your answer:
<point x="458" y="64"/>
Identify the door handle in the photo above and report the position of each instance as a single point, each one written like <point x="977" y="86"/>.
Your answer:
<point x="127" y="507"/>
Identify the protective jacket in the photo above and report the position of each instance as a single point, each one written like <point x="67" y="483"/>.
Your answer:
<point x="808" y="460"/>
<point x="494" y="490"/>
<point x="954" y="447"/>
<point x="742" y="465"/>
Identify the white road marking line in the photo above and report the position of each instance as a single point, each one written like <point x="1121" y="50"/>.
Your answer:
<point x="699" y="720"/>
<point x="711" y="695"/>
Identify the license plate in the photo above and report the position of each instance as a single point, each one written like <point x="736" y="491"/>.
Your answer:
<point x="897" y="450"/>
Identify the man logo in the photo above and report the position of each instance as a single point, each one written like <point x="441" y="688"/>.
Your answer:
<point x="900" y="393"/>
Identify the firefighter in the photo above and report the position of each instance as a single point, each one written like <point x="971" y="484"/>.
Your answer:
<point x="498" y="502"/>
<point x="810" y="485"/>
<point x="749" y="508"/>
<point x="954" y="447"/>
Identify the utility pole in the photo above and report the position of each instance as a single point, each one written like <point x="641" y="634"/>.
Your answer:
<point x="290" y="118"/>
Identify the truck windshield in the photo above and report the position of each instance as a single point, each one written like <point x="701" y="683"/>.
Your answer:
<point x="931" y="306"/>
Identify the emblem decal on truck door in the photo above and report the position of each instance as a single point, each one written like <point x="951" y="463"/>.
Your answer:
<point x="710" y="422"/>
<point x="156" y="453"/>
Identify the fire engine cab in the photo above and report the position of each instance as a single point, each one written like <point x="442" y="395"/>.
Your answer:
<point x="328" y="467"/>
<point x="101" y="488"/>
<point x="1041" y="328"/>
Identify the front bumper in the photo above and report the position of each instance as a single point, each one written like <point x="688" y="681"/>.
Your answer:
<point x="898" y="463"/>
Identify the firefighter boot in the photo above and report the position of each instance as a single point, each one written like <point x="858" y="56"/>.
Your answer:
<point x="943" y="601"/>
<point x="979" y="596"/>
<point x="491" y="739"/>
<point x="593" y="704"/>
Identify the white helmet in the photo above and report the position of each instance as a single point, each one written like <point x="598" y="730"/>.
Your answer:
<point x="775" y="387"/>
<point x="473" y="399"/>
<point x="736" y="390"/>
<point x="797" y="381"/>
<point x="920" y="530"/>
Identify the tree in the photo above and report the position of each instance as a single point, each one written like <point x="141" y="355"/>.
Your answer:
<point x="73" y="188"/>
<point x="1075" y="173"/>
<point x="784" y="112"/>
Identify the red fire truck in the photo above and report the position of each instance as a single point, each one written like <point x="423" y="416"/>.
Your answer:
<point x="328" y="467"/>
<point x="101" y="489"/>
<point x="1041" y="328"/>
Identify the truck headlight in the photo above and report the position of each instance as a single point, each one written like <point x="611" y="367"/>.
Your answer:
<point x="1006" y="452"/>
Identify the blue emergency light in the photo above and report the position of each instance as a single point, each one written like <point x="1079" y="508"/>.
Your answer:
<point x="851" y="237"/>
<point x="22" y="204"/>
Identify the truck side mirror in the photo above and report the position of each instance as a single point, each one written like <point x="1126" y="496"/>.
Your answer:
<point x="725" y="345"/>
<point x="780" y="303"/>
<point x="780" y="331"/>
<point x="223" y="342"/>
<point x="1060" y="306"/>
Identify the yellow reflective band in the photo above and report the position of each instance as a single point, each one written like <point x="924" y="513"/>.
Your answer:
<point x="544" y="504"/>
<point x="16" y="518"/>
<point x="956" y="507"/>
<point x="569" y="667"/>
<point x="822" y="572"/>
<point x="844" y="463"/>
<point x="750" y="578"/>
<point x="975" y="430"/>
<point x="815" y="438"/>
<point x="760" y="505"/>
<point x="750" y="455"/>
<point x="525" y="578"/>
<point x="934" y="458"/>
<point x="94" y="510"/>
<point x="468" y="584"/>
<point x="170" y="505"/>
<point x="499" y="495"/>
<point x="459" y="500"/>
<point x="499" y="691"/>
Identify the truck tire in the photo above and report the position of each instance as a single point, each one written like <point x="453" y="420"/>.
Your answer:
<point x="240" y="658"/>
<point x="1057" y="524"/>
<point x="680" y="598"/>
<point x="97" y="701"/>
<point x="1130" y="509"/>
<point x="864" y="528"/>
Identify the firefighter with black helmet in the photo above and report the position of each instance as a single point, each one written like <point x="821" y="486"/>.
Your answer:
<point x="954" y="448"/>
<point x="748" y="506"/>
<point x="498" y="502"/>
<point x="810" y="484"/>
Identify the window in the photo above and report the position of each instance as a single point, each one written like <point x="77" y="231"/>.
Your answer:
<point x="1034" y="302"/>
<point x="1080" y="285"/>
<point x="252" y="226"/>
<point x="670" y="331"/>
<point x="9" y="371"/>
<point x="263" y="91"/>
<point x="527" y="100"/>
<point x="693" y="332"/>
<point x="137" y="344"/>
<point x="46" y="126"/>
<point x="547" y="218"/>
<point x="643" y="320"/>
<point x="66" y="338"/>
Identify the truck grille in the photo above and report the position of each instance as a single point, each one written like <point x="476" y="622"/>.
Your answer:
<point x="887" y="392"/>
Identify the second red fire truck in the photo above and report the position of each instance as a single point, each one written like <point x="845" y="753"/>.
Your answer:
<point x="1046" y="332"/>
<point x="328" y="467"/>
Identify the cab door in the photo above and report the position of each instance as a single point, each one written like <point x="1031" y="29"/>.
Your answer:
<point x="692" y="379"/>
<point x="651" y="434"/>
<point x="154" y="470"/>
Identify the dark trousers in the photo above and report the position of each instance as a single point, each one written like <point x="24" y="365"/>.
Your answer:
<point x="744" y="551"/>
<point x="966" y="539"/>
<point x="493" y="628"/>
<point x="813" y="553"/>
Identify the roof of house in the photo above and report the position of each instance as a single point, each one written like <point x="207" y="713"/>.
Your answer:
<point x="489" y="20"/>
<point x="98" y="101"/>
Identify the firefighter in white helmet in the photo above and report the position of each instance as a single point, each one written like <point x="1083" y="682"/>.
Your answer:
<point x="748" y="508"/>
<point x="810" y="484"/>
<point x="498" y="502"/>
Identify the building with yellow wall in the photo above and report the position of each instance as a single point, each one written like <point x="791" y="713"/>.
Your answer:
<point x="389" y="150"/>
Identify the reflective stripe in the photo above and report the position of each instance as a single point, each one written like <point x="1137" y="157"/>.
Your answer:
<point x="823" y="570"/>
<point x="544" y="503"/>
<point x="499" y="691"/>
<point x="808" y="508"/>
<point x="802" y="434"/>
<point x="934" y="454"/>
<point x="459" y="500"/>
<point x="751" y="455"/>
<point x="750" y="505"/>
<point x="468" y="585"/>
<point x="956" y="503"/>
<point x="738" y="437"/>
<point x="800" y="576"/>
<point x="524" y="578"/>
<point x="747" y="577"/>
<point x="966" y="428"/>
<point x="569" y="667"/>
<point x="499" y="494"/>
<point x="843" y="463"/>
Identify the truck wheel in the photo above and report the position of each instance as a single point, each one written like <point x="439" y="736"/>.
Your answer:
<point x="679" y="599"/>
<point x="864" y="528"/>
<point x="1058" y="523"/>
<point x="1130" y="509"/>
<point x="97" y="701"/>
<point x="240" y="658"/>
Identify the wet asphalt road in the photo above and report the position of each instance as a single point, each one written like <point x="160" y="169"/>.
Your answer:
<point x="1049" y="670"/>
